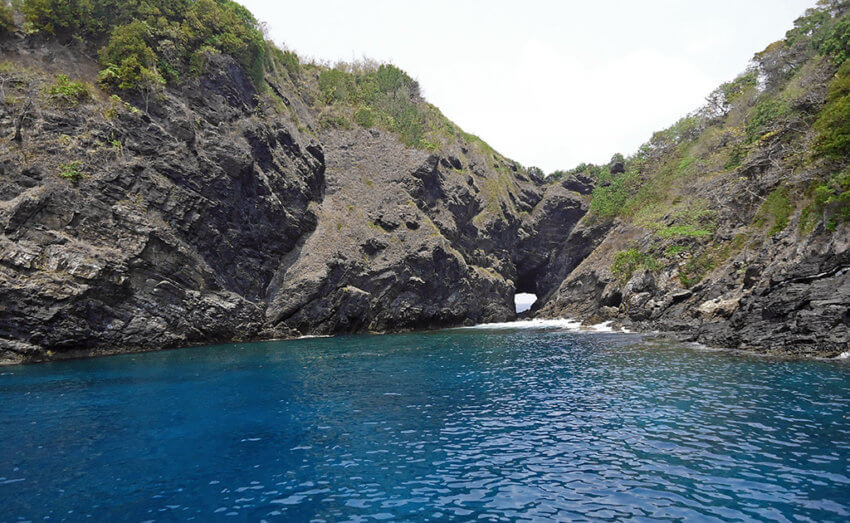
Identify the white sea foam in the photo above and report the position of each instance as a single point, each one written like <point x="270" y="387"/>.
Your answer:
<point x="602" y="327"/>
<point x="568" y="324"/>
<point x="843" y="356"/>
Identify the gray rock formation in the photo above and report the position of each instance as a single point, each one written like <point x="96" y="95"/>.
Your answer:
<point x="214" y="218"/>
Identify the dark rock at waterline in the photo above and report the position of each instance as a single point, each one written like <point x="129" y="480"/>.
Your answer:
<point x="219" y="220"/>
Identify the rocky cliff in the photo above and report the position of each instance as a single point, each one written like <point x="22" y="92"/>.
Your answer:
<point x="731" y="227"/>
<point x="225" y="213"/>
<point x="246" y="203"/>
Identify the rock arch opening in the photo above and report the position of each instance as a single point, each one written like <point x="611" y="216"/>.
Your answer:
<point x="523" y="301"/>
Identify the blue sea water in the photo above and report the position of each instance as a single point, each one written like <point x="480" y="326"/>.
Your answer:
<point x="459" y="424"/>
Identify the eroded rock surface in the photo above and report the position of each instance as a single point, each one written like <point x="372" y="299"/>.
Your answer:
<point x="213" y="218"/>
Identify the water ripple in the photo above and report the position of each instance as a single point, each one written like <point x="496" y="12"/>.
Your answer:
<point x="495" y="424"/>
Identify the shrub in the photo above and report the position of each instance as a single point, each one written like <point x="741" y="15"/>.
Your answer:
<point x="713" y="256"/>
<point x="608" y="201"/>
<point x="736" y="156"/>
<point x="67" y="92"/>
<point x="695" y="270"/>
<point x="807" y="25"/>
<point x="364" y="118"/>
<point x="765" y="113"/>
<point x="7" y="18"/>
<point x="336" y="86"/>
<point x="776" y="210"/>
<point x="291" y="63"/>
<point x="833" y="123"/>
<point x="831" y="199"/>
<point x="387" y="92"/>
<point x="333" y="120"/>
<point x="535" y="172"/>
<point x="229" y="28"/>
<point x="836" y="43"/>
<point x="389" y="79"/>
<point x="721" y="99"/>
<point x="59" y="17"/>
<point x="627" y="262"/>
<point x="127" y="56"/>
<point x="405" y="120"/>
<point x="156" y="38"/>
<point x="72" y="171"/>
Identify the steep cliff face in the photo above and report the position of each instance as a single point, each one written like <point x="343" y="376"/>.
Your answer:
<point x="251" y="201"/>
<point x="731" y="227"/>
<point x="217" y="215"/>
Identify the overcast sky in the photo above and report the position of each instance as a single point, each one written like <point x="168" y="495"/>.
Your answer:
<point x="547" y="83"/>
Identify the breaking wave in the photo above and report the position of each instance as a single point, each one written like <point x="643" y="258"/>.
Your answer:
<point x="540" y="324"/>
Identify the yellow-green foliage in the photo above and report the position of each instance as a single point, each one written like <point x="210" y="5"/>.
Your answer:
<point x="830" y="200"/>
<point x="775" y="210"/>
<point x="833" y="124"/>
<point x="72" y="171"/>
<point x="7" y="18"/>
<point x="67" y="92"/>
<point x="630" y="260"/>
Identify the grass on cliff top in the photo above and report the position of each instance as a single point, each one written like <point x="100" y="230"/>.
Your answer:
<point x="382" y="95"/>
<point x="145" y="47"/>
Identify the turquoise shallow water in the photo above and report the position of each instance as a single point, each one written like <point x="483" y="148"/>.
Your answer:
<point x="464" y="424"/>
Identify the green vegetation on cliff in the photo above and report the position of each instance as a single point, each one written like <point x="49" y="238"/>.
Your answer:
<point x="7" y="20"/>
<point x="382" y="95"/>
<point x="143" y="44"/>
<point x="145" y="47"/>
<point x="773" y="139"/>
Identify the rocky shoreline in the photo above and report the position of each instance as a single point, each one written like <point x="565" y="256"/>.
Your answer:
<point x="227" y="213"/>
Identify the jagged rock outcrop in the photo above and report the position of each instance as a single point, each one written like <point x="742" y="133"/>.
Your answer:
<point x="789" y="296"/>
<point x="213" y="217"/>
<point x="731" y="227"/>
<point x="321" y="201"/>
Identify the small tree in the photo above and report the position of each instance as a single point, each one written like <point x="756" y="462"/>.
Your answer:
<point x="150" y="84"/>
<point x="7" y="17"/>
<point x="131" y="63"/>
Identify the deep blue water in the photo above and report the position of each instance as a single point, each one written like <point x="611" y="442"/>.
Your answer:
<point x="468" y="424"/>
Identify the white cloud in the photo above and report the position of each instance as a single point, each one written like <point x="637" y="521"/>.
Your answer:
<point x="547" y="83"/>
